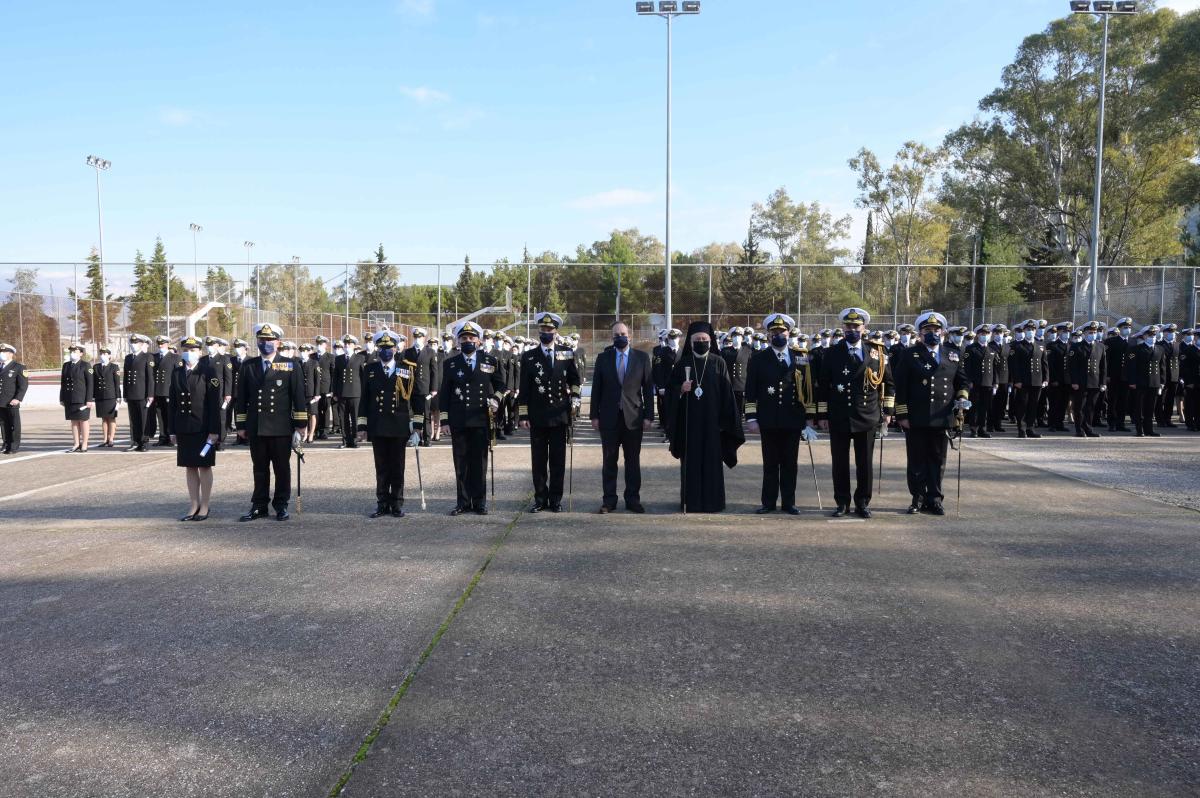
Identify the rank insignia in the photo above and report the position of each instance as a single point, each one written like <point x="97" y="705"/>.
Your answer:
<point x="215" y="382"/>
<point x="841" y="388"/>
<point x="460" y="373"/>
<point x="770" y="390"/>
<point x="278" y="383"/>
<point x="953" y="356"/>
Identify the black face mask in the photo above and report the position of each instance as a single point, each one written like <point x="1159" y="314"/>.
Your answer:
<point x="931" y="338"/>
<point x="467" y="347"/>
<point x="853" y="336"/>
<point x="266" y="347"/>
<point x="700" y="347"/>
<point x="620" y="341"/>
<point x="779" y="341"/>
<point x="386" y="353"/>
<point x="546" y="338"/>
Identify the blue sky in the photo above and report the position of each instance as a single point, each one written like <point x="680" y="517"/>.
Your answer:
<point x="446" y="127"/>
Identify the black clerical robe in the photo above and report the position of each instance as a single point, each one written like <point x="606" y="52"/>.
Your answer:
<point x="706" y="430"/>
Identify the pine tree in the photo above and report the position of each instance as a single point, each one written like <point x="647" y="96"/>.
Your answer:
<point x="868" y="256"/>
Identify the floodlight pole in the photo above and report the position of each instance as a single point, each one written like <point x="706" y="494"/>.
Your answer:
<point x="195" y="228"/>
<point x="248" y="245"/>
<point x="1093" y="287"/>
<point x="99" y="164"/>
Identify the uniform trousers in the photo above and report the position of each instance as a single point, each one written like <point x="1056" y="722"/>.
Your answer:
<point x="469" y="446"/>
<point x="613" y="442"/>
<point x="1118" y="401"/>
<point x="926" y="449"/>
<point x="1059" y="396"/>
<point x="549" y="455"/>
<point x="1083" y="401"/>
<point x="840" y="441"/>
<point x="999" y="406"/>
<point x="10" y="424"/>
<point x="1164" y="408"/>
<point x="1025" y="404"/>
<point x="1141" y="407"/>
<point x="323" y="415"/>
<point x="140" y="428"/>
<point x="389" y="470"/>
<point x="1191" y="407"/>
<point x="271" y="453"/>
<point x="981" y="404"/>
<point x="348" y="413"/>
<point x="160" y="418"/>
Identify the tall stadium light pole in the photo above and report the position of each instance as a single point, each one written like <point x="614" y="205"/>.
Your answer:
<point x="249" y="245"/>
<point x="195" y="228"/>
<point x="295" y="291"/>
<point x="101" y="165"/>
<point x="668" y="10"/>
<point x="1103" y="9"/>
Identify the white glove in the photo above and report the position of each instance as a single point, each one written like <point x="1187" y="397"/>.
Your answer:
<point x="962" y="404"/>
<point x="995" y="389"/>
<point x="575" y="402"/>
<point x="808" y="434"/>
<point x="1103" y="388"/>
<point x="492" y="403"/>
<point x="296" y="439"/>
<point x="414" y="439"/>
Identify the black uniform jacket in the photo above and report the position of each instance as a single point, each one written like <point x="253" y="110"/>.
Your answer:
<point x="347" y="375"/>
<point x="778" y="395"/>
<point x="738" y="361"/>
<point x="1027" y="363"/>
<point x="845" y="392"/>
<point x="547" y="386"/>
<point x="926" y="388"/>
<point x="13" y="382"/>
<point x="196" y="400"/>
<point x="1087" y="364"/>
<point x="979" y="362"/>
<point x="138" y="377"/>
<point x="107" y="381"/>
<point x="1144" y="366"/>
<point x="464" y="393"/>
<point x="271" y="403"/>
<point x="388" y="404"/>
<point x="77" y="384"/>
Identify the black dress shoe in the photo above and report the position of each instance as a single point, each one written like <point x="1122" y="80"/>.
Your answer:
<point x="281" y="515"/>
<point x="605" y="510"/>
<point x="537" y="507"/>
<point x="792" y="510"/>
<point x="913" y="509"/>
<point x="501" y="437"/>
<point x="1032" y="434"/>
<point x="984" y="434"/>
<point x="1080" y="434"/>
<point x="862" y="512"/>
<point x="188" y="517"/>
<point x="974" y="433"/>
<point x="1091" y="434"/>
<point x="764" y="510"/>
<point x="254" y="513"/>
<point x="397" y="512"/>
<point x="380" y="511"/>
<point x="1022" y="433"/>
<point x="635" y="507"/>
<point x="200" y="517"/>
<point x="555" y="508"/>
<point x="481" y="510"/>
<point x="1148" y="434"/>
<point x="936" y="508"/>
<point x="842" y="509"/>
<point x="458" y="511"/>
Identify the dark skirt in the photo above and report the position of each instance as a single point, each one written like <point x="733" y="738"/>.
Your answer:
<point x="106" y="408"/>
<point x="187" y="451"/>
<point x="83" y="413"/>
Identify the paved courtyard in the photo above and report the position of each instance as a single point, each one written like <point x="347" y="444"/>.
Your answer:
<point x="1046" y="643"/>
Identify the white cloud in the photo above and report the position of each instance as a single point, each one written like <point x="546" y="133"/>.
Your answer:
<point x="424" y="94"/>
<point x="416" y="8"/>
<point x="176" y="117"/>
<point x="616" y="198"/>
<point x="1181" y="6"/>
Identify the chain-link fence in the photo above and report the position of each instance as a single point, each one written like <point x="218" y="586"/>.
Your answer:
<point x="590" y="297"/>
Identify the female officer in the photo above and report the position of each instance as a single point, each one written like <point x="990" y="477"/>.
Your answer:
<point x="195" y="424"/>
<point x="76" y="393"/>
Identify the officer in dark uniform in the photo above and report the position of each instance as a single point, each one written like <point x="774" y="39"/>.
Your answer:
<point x="236" y="358"/>
<point x="1144" y="377"/>
<point x="425" y="378"/>
<point x="780" y="404"/>
<point x="76" y="393"/>
<point x="737" y="359"/>
<point x="1087" y="370"/>
<point x="137" y="386"/>
<point x="930" y="388"/>
<point x="1058" y="348"/>
<point x="335" y="409"/>
<point x="108" y="395"/>
<point x="312" y="387"/>
<point x="493" y="345"/>
<point x="13" y="385"/>
<point x="324" y="385"/>
<point x="954" y="338"/>
<point x="516" y="347"/>
<point x="1027" y="370"/>
<point x="347" y="387"/>
<point x="979" y="363"/>
<point x="470" y="386"/>
<point x="196" y="419"/>
<point x="549" y="399"/>
<point x="165" y="362"/>
<point x="442" y="350"/>
<point x="390" y="416"/>
<point x="580" y="356"/>
<point x="1168" y="346"/>
<point x="1118" y="347"/>
<point x="1189" y="378"/>
<point x="270" y="414"/>
<point x="662" y="361"/>
<point x="1001" y="349"/>
<point x="856" y="396"/>
<point x="906" y="333"/>
<point x="220" y="365"/>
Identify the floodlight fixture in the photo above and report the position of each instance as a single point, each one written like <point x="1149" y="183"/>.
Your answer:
<point x="645" y="8"/>
<point x="691" y="7"/>
<point x="98" y="162"/>
<point x="1081" y="6"/>
<point x="668" y="7"/>
<point x="1126" y="7"/>
<point x="1103" y="6"/>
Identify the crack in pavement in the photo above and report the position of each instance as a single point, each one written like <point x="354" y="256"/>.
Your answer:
<point x="410" y="676"/>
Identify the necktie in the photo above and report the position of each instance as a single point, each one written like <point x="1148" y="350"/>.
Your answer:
<point x="621" y="366"/>
<point x="857" y="353"/>
<point x="266" y="365"/>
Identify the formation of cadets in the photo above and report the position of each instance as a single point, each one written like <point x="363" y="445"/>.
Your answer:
<point x="926" y="379"/>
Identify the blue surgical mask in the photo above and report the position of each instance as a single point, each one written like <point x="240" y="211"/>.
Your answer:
<point x="1187" y="339"/>
<point x="621" y="341"/>
<point x="191" y="356"/>
<point x="853" y="336"/>
<point x="931" y="338"/>
<point x="956" y="339"/>
<point x="386" y="353"/>
<point x="266" y="347"/>
<point x="1089" y="337"/>
<point x="1169" y="337"/>
<point x="1124" y="331"/>
<point x="983" y="338"/>
<point x="904" y="339"/>
<point x="1018" y="336"/>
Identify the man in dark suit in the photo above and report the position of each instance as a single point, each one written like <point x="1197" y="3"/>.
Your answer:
<point x="622" y="408"/>
<point x="549" y="398"/>
<point x="13" y="385"/>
